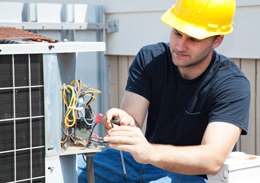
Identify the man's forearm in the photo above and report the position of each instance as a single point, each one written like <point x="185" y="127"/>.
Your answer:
<point x="207" y="158"/>
<point x="191" y="160"/>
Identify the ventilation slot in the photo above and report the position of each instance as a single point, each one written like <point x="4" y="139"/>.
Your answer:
<point x="22" y="135"/>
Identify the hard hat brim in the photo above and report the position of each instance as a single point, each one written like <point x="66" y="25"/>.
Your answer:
<point x="189" y="28"/>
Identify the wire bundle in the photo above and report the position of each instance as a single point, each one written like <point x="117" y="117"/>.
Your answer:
<point x="71" y="95"/>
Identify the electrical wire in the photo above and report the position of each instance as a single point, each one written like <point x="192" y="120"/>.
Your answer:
<point x="71" y="93"/>
<point x="85" y="119"/>
<point x="91" y="131"/>
<point x="94" y="115"/>
<point x="70" y="106"/>
<point x="85" y="93"/>
<point x="99" y="141"/>
<point x="84" y="158"/>
<point x="92" y="90"/>
<point x="68" y="135"/>
<point x="94" y="135"/>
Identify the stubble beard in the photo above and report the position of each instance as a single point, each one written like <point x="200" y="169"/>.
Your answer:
<point x="197" y="60"/>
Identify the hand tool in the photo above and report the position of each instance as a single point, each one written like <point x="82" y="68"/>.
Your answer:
<point x="116" y="120"/>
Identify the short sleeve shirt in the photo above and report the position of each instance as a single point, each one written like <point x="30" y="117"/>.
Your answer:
<point x="181" y="109"/>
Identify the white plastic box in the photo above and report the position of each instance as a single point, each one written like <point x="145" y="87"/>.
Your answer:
<point x="238" y="168"/>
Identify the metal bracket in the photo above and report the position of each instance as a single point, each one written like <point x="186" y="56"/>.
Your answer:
<point x="112" y="26"/>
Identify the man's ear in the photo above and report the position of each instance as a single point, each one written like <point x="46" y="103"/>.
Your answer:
<point x="217" y="41"/>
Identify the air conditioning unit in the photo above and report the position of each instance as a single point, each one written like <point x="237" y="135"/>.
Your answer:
<point x="31" y="113"/>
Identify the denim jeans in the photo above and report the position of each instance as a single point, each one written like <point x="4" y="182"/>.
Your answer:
<point x="108" y="169"/>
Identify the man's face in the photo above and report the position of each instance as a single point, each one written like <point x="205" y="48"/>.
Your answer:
<point x="189" y="52"/>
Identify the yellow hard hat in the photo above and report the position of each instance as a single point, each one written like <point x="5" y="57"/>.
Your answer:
<point x="201" y="18"/>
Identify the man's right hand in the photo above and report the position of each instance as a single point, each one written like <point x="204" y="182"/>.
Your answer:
<point x="126" y="119"/>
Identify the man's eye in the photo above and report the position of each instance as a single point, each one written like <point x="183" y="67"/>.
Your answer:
<point x="193" y="40"/>
<point x="177" y="33"/>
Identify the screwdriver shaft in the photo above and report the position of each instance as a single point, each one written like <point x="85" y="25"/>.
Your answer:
<point x="123" y="162"/>
<point x="121" y="153"/>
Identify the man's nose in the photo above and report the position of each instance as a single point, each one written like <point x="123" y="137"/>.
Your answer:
<point x="182" y="44"/>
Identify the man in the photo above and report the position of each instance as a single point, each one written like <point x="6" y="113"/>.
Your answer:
<point x="197" y="102"/>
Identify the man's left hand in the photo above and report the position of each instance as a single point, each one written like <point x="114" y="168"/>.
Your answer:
<point x="132" y="140"/>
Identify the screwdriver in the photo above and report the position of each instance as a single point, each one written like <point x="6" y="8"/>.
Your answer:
<point x="116" y="120"/>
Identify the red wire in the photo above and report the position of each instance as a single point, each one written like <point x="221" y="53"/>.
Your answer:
<point x="95" y="136"/>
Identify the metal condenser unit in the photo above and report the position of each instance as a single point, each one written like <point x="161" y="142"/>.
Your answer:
<point x="31" y="79"/>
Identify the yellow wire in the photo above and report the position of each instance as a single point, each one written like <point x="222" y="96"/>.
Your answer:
<point x="75" y="81"/>
<point x="70" y="106"/>
<point x="94" y="98"/>
<point x="92" y="90"/>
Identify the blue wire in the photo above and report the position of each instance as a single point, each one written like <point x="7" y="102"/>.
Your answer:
<point x="76" y="93"/>
<point x="85" y="119"/>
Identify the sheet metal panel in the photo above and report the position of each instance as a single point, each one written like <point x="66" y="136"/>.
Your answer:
<point x="63" y="47"/>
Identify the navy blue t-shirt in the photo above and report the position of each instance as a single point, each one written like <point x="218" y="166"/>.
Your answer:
<point x="181" y="109"/>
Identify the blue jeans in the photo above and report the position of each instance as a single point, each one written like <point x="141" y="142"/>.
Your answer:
<point x="108" y="169"/>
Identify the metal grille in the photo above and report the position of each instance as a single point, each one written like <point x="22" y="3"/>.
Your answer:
<point x="22" y="135"/>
